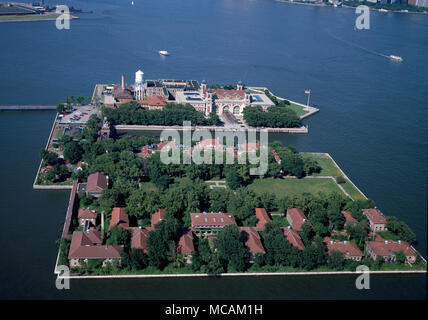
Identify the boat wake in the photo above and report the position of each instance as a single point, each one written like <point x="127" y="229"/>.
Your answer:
<point x="391" y="57"/>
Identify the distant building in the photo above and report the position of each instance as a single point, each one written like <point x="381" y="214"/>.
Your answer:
<point x="119" y="218"/>
<point x="348" y="249"/>
<point x="293" y="237"/>
<point x="139" y="238"/>
<point x="140" y="234"/>
<point x="158" y="216"/>
<point x="206" y="222"/>
<point x="185" y="245"/>
<point x="155" y="94"/>
<point x="154" y="102"/>
<point x="376" y="219"/>
<point x="252" y="241"/>
<point x="348" y="217"/>
<point x="419" y="3"/>
<point x="146" y="152"/>
<point x="296" y="218"/>
<point x="122" y="93"/>
<point x="87" y="215"/>
<point x="97" y="182"/>
<point x="262" y="217"/>
<point x="197" y="99"/>
<point x="387" y="249"/>
<point x="105" y="130"/>
<point x="88" y="245"/>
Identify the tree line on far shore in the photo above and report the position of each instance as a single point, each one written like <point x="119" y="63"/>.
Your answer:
<point x="171" y="115"/>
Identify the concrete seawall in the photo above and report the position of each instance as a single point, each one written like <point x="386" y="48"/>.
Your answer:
<point x="238" y="274"/>
<point x="302" y="129"/>
<point x="309" y="109"/>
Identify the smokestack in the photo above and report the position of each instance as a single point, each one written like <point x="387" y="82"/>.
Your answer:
<point x="123" y="82"/>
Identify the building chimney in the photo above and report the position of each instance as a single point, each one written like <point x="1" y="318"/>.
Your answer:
<point x="123" y="82"/>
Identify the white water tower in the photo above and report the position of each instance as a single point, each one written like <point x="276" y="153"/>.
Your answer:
<point x="139" y="89"/>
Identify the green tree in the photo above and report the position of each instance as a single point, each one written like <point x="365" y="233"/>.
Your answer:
<point x="335" y="260"/>
<point x="119" y="236"/>
<point x="231" y="250"/>
<point x="73" y="152"/>
<point x="400" y="256"/>
<point x="233" y="180"/>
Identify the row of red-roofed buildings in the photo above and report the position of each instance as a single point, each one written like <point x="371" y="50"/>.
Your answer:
<point x="87" y="244"/>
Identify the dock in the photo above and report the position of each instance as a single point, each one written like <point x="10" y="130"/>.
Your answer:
<point x="26" y="108"/>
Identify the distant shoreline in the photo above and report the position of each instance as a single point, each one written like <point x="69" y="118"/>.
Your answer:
<point x="33" y="18"/>
<point x="346" y="6"/>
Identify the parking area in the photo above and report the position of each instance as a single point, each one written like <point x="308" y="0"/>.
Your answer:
<point x="79" y="115"/>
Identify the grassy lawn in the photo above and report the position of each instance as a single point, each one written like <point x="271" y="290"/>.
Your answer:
<point x="388" y="235"/>
<point x="282" y="187"/>
<point x="328" y="168"/>
<point x="298" y="109"/>
<point x="59" y="133"/>
<point x="148" y="186"/>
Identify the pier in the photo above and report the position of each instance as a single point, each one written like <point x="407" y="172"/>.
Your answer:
<point x="26" y="108"/>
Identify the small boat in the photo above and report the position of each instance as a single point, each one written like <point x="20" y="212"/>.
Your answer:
<point x="383" y="10"/>
<point x="396" y="58"/>
<point x="163" y="52"/>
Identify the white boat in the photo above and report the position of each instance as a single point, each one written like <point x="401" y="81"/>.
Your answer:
<point x="163" y="52"/>
<point x="396" y="58"/>
<point x="383" y="10"/>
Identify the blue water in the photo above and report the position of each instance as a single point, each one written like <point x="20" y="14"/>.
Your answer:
<point x="372" y="120"/>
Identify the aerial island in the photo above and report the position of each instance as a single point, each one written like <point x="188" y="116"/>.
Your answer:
<point x="129" y="214"/>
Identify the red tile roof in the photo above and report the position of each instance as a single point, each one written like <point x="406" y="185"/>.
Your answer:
<point x="97" y="182"/>
<point x="185" y="244"/>
<point x="87" y="213"/>
<point x="298" y="218"/>
<point x="229" y="94"/>
<point x="158" y="216"/>
<point x="374" y="215"/>
<point x="250" y="146"/>
<point x="276" y="156"/>
<point x="157" y="101"/>
<point x="94" y="236"/>
<point x="348" y="217"/>
<point x="139" y="238"/>
<point x="166" y="144"/>
<point x="388" y="247"/>
<point x="212" y="219"/>
<point x="252" y="240"/>
<point x="120" y="218"/>
<point x="293" y="237"/>
<point x="347" y="248"/>
<point x="145" y="152"/>
<point x="263" y="218"/>
<point x="82" y="247"/>
<point x="209" y="144"/>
